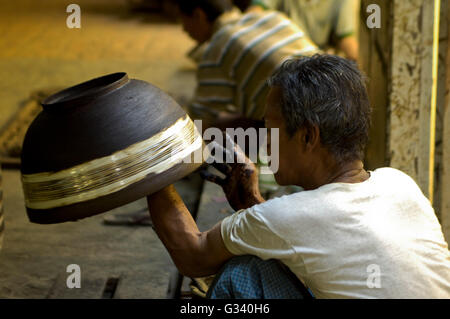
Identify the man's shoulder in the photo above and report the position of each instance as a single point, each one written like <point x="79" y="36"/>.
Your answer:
<point x="393" y="177"/>
<point x="298" y="202"/>
<point x="230" y="28"/>
<point x="233" y="24"/>
<point x="382" y="182"/>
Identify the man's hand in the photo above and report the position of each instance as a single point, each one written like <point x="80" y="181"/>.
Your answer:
<point x="241" y="176"/>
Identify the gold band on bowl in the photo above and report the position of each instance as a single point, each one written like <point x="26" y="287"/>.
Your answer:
<point x="109" y="174"/>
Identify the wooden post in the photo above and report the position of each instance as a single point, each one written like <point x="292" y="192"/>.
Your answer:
<point x="445" y="179"/>
<point x="416" y="99"/>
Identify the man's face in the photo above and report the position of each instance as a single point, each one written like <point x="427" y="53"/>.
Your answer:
<point x="289" y="150"/>
<point x="197" y="25"/>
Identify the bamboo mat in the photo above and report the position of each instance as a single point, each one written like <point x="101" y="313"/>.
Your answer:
<point x="13" y="132"/>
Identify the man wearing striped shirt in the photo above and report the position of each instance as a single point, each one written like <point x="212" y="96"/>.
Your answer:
<point x="242" y="52"/>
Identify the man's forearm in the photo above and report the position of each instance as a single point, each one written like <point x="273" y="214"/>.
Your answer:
<point x="174" y="225"/>
<point x="350" y="46"/>
<point x="195" y="253"/>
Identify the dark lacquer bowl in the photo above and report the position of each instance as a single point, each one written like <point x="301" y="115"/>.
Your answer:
<point x="102" y="144"/>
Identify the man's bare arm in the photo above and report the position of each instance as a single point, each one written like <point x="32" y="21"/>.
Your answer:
<point x="195" y="253"/>
<point x="350" y="46"/>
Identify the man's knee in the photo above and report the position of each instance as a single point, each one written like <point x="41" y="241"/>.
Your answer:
<point x="238" y="264"/>
<point x="252" y="277"/>
<point x="247" y="264"/>
<point x="238" y="278"/>
<point x="246" y="261"/>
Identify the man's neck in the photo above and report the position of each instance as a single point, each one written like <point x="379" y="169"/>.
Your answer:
<point x="351" y="172"/>
<point x="331" y="172"/>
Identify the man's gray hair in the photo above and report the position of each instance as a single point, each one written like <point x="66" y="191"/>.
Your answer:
<point x="330" y="92"/>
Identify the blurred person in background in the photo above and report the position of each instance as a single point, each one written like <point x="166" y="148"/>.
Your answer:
<point x="330" y="24"/>
<point x="241" y="52"/>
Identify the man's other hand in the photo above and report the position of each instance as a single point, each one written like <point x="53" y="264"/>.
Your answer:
<point x="240" y="183"/>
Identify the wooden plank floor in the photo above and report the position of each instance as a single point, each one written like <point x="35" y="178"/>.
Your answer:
<point x="34" y="257"/>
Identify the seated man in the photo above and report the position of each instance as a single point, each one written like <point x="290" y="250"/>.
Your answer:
<point x="241" y="52"/>
<point x="350" y="234"/>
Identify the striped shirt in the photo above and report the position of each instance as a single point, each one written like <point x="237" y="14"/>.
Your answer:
<point x="242" y="54"/>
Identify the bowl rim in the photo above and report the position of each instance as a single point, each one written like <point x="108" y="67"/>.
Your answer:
<point x="85" y="91"/>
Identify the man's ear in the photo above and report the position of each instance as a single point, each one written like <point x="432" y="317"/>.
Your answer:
<point x="311" y="136"/>
<point x="200" y="15"/>
<point x="300" y="138"/>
